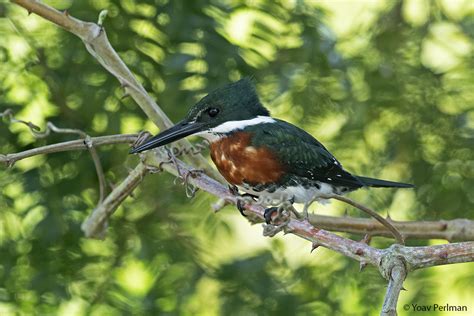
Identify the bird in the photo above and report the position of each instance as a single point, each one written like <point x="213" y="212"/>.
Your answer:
<point x="261" y="155"/>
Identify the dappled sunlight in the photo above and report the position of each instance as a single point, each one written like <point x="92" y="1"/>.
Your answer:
<point x="416" y="12"/>
<point x="130" y="124"/>
<point x="457" y="10"/>
<point x="445" y="48"/>
<point x="348" y="17"/>
<point x="386" y="86"/>
<point x="75" y="306"/>
<point x="134" y="277"/>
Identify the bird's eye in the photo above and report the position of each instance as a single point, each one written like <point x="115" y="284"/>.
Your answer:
<point x="213" y="112"/>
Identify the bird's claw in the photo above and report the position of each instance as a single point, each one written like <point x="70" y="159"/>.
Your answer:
<point x="241" y="208"/>
<point x="282" y="216"/>
<point x="275" y="223"/>
<point x="267" y="215"/>
<point x="242" y="201"/>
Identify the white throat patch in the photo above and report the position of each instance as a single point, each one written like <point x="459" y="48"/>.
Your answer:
<point x="216" y="133"/>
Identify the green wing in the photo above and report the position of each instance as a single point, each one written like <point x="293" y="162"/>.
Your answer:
<point x="301" y="154"/>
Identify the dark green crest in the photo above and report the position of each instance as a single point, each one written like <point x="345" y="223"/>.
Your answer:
<point x="233" y="102"/>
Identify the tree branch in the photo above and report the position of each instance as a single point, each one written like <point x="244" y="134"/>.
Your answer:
<point x="451" y="230"/>
<point x="394" y="270"/>
<point x="429" y="256"/>
<point x="370" y="212"/>
<point x="416" y="257"/>
<point x="95" y="39"/>
<point x="97" y="44"/>
<point x="50" y="127"/>
<point x="11" y="159"/>
<point x="96" y="224"/>
<point x="394" y="262"/>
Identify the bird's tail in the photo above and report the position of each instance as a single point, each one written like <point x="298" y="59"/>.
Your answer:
<point x="377" y="183"/>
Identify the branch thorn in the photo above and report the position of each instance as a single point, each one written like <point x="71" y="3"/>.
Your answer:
<point x="219" y="204"/>
<point x="314" y="246"/>
<point x="125" y="95"/>
<point x="102" y="16"/>
<point x="367" y="238"/>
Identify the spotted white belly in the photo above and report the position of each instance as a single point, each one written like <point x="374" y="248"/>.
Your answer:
<point x="298" y="194"/>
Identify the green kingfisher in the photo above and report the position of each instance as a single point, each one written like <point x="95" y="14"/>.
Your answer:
<point x="262" y="155"/>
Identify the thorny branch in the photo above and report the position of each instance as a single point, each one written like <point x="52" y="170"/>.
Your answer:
<point x="412" y="257"/>
<point x="423" y="256"/>
<point x="95" y="225"/>
<point x="394" y="270"/>
<point x="50" y="127"/>
<point x="451" y="230"/>
<point x="400" y="239"/>
<point x="11" y="159"/>
<point x="96" y="42"/>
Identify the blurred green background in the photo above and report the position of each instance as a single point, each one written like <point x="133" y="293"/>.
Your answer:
<point x="387" y="86"/>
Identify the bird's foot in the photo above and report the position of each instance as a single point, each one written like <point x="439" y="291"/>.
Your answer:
<point x="269" y="213"/>
<point x="242" y="199"/>
<point x="189" y="187"/>
<point x="305" y="212"/>
<point x="277" y="215"/>
<point x="276" y="219"/>
<point x="306" y="215"/>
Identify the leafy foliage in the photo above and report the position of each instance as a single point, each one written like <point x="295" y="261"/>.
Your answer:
<point x="390" y="96"/>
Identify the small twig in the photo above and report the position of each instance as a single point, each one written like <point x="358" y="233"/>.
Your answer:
<point x="36" y="130"/>
<point x="394" y="270"/>
<point x="10" y="159"/>
<point x="451" y="230"/>
<point x="97" y="44"/>
<point x="398" y="237"/>
<point x="8" y="115"/>
<point x="422" y="256"/>
<point x="95" y="225"/>
<point x="219" y="205"/>
<point x="102" y="16"/>
<point x="189" y="188"/>
<point x="98" y="167"/>
<point x="172" y="159"/>
<point x="141" y="138"/>
<point x="366" y="240"/>
<point x="50" y="127"/>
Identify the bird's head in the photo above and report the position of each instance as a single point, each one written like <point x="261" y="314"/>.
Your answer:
<point x="221" y="111"/>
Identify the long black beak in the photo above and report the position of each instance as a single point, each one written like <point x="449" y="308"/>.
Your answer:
<point x="180" y="130"/>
